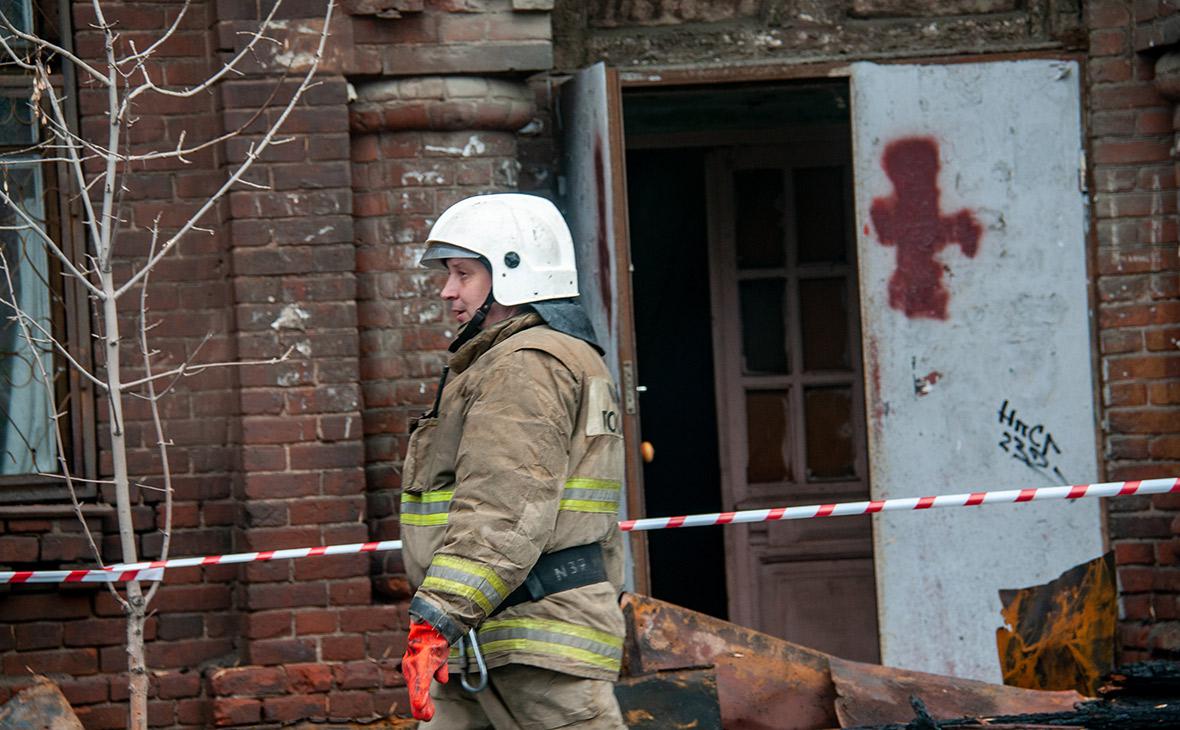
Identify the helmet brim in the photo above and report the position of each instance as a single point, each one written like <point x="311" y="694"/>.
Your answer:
<point x="437" y="253"/>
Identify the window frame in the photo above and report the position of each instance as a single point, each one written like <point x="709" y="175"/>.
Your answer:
<point x="70" y="312"/>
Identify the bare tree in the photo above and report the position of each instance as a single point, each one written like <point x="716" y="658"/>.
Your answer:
<point x="94" y="169"/>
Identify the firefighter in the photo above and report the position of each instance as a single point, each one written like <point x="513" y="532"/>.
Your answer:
<point x="511" y="486"/>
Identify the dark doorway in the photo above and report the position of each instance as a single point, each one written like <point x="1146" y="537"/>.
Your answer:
<point x="669" y="250"/>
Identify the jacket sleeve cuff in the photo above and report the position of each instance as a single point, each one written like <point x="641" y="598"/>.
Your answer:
<point x="431" y="614"/>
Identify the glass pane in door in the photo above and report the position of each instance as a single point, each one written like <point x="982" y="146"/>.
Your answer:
<point x="764" y="332"/>
<point x="828" y="420"/>
<point x="768" y="436"/>
<point x="823" y="313"/>
<point x="758" y="218"/>
<point x="820" y="213"/>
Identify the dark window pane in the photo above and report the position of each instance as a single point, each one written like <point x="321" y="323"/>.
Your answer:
<point x="16" y="120"/>
<point x="767" y="436"/>
<point x="830" y="453"/>
<point x="820" y="214"/>
<point x="764" y="342"/>
<point x="823" y="307"/>
<point x="758" y="218"/>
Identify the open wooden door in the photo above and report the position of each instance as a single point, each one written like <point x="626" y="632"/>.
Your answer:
<point x="593" y="187"/>
<point x="972" y="254"/>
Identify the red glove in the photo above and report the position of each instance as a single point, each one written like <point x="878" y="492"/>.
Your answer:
<point x="425" y="658"/>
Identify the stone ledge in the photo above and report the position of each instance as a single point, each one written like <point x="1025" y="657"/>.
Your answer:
<point x="442" y="103"/>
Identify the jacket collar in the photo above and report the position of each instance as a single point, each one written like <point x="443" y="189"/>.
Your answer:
<point x="490" y="337"/>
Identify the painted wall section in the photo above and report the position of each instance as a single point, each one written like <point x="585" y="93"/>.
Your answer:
<point x="972" y="250"/>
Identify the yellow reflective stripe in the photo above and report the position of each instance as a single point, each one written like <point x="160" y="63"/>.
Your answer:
<point x="586" y="505"/>
<point x="454" y="587"/>
<point x="545" y="647"/>
<point x="424" y="520"/>
<point x="471" y="567"/>
<point x="557" y="627"/>
<point x="588" y="483"/>
<point x="441" y="495"/>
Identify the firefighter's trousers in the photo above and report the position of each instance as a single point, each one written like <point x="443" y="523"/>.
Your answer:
<point x="520" y="697"/>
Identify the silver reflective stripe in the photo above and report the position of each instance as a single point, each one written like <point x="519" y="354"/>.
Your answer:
<point x="465" y="578"/>
<point x="426" y="509"/>
<point x="555" y="638"/>
<point x="583" y="494"/>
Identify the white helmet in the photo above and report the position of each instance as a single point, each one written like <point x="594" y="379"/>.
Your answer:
<point x="523" y="238"/>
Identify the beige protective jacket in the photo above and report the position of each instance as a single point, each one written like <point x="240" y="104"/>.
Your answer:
<point x="524" y="457"/>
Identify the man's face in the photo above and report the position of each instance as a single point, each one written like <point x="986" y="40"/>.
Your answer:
<point x="467" y="287"/>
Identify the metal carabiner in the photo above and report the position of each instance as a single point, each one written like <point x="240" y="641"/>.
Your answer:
<point x="479" y="663"/>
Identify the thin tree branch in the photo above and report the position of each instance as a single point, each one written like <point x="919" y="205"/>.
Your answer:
<point x="188" y="370"/>
<point x="47" y="383"/>
<point x="229" y="66"/>
<point x="48" y="241"/>
<point x="52" y="47"/>
<point x="154" y="406"/>
<point x="254" y="153"/>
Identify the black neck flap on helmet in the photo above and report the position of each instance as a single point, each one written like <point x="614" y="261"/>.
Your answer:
<point x="568" y="316"/>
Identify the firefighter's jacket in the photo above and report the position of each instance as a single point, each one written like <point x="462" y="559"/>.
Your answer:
<point x="524" y="457"/>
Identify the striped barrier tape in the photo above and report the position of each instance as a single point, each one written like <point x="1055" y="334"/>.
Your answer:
<point x="154" y="570"/>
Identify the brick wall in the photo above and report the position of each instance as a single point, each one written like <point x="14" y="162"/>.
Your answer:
<point x="1135" y="180"/>
<point x="76" y="633"/>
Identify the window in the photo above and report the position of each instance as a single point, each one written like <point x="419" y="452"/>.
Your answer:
<point x="34" y="382"/>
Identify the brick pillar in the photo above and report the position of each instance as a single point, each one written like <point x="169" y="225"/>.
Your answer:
<point x="1131" y="102"/>
<point x="419" y="144"/>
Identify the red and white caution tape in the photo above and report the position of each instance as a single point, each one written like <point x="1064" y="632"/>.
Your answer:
<point x="968" y="499"/>
<point x="154" y="570"/>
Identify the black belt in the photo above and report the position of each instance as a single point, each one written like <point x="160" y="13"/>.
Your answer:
<point x="558" y="571"/>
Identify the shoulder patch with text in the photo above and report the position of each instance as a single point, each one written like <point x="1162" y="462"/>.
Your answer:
<point x="603" y="417"/>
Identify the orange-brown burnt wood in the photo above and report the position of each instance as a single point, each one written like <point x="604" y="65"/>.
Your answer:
<point x="1061" y="635"/>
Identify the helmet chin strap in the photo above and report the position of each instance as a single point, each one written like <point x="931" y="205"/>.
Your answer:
<point x="474" y="325"/>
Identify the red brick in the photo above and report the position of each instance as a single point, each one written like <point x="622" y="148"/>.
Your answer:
<point x="356" y="591"/>
<point x="317" y="622"/>
<point x="1125" y="152"/>
<point x="268" y="624"/>
<point x="372" y="618"/>
<point x="1165" y="447"/>
<point x="1161" y="394"/>
<point x="282" y="595"/>
<point x="335" y="509"/>
<point x="1137" y="527"/>
<point x="1115" y="342"/>
<point x="173" y="685"/>
<point x="248" y="681"/>
<point x="357" y="675"/>
<point x="85" y="690"/>
<point x="38" y="636"/>
<point x="1134" y="553"/>
<point x="102" y="717"/>
<point x="77" y="662"/>
<point x="1126" y="394"/>
<point x="43" y="607"/>
<point x="1143" y="367"/>
<point x="349" y="705"/>
<point x="1135" y="580"/>
<point x="306" y="678"/>
<point x="295" y="707"/>
<point x="236" y="711"/>
<point x="1137" y="608"/>
<point x="282" y="651"/>
<point x="342" y="648"/>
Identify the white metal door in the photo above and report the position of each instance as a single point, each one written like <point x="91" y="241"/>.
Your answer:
<point x="975" y="314"/>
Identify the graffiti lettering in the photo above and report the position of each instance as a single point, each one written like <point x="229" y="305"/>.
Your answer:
<point x="1029" y="444"/>
<point x="910" y="219"/>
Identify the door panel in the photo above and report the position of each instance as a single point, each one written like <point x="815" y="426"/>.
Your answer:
<point x="972" y="254"/>
<point x="789" y="391"/>
<point x="595" y="201"/>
